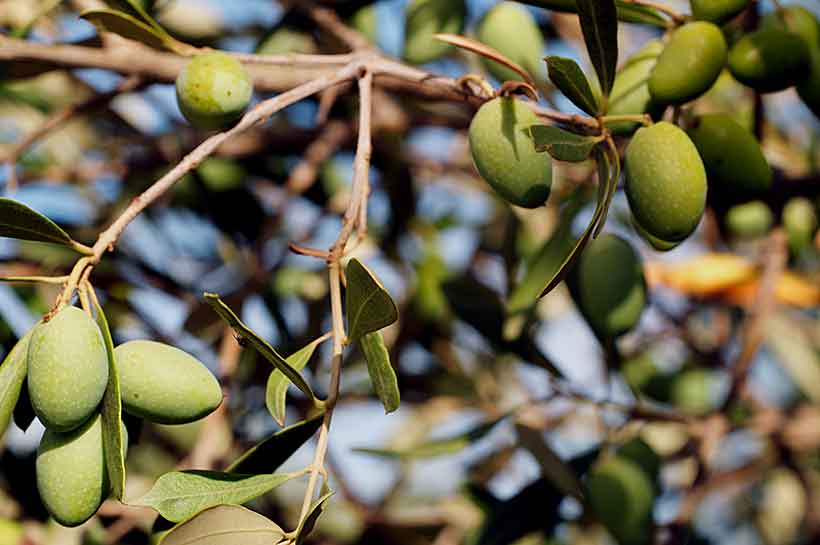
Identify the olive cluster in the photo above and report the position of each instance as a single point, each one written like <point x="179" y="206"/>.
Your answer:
<point x="67" y="375"/>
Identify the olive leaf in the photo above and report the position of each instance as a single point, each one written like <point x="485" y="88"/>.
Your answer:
<point x="225" y="525"/>
<point x="21" y="222"/>
<point x="12" y="374"/>
<point x="562" y="145"/>
<point x="369" y="306"/>
<point x="179" y="495"/>
<point x="607" y="181"/>
<point x="277" y="388"/>
<point x="627" y="11"/>
<point x="307" y="524"/>
<point x="599" y="23"/>
<point x="568" y="77"/>
<point x="381" y="372"/>
<point x="111" y="414"/>
<point x="134" y="9"/>
<point x="552" y="466"/>
<point x="260" y="344"/>
<point x="437" y="447"/>
<point x="127" y="26"/>
<point x="267" y="455"/>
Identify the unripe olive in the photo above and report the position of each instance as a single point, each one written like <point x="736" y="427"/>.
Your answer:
<point x="665" y="181"/>
<point x="630" y="92"/>
<point x="287" y="40"/>
<point x="622" y="495"/>
<point x="732" y="156"/>
<point x="608" y="286"/>
<point x="213" y="90"/>
<point x="67" y="369"/>
<point x="505" y="157"/>
<point x="692" y="391"/>
<point x="749" y="220"/>
<point x="800" y="221"/>
<point x="689" y="64"/>
<point x="769" y="60"/>
<point x="511" y="30"/>
<point x="71" y="476"/>
<point x="717" y="11"/>
<point x="638" y="451"/>
<point x="797" y="20"/>
<point x="655" y="242"/>
<point x="428" y="17"/>
<point x="366" y="20"/>
<point x="163" y="384"/>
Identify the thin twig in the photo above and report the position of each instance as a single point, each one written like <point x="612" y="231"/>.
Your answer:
<point x="332" y="24"/>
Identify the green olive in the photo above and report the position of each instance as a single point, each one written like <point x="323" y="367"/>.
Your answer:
<point x="426" y="18"/>
<point x="213" y="90"/>
<point x="67" y="369"/>
<point x="655" y="242"/>
<point x="638" y="451"/>
<point x="163" y="384"/>
<point x="689" y="64"/>
<point x="749" y="220"/>
<point x="665" y="181"/>
<point x="365" y="20"/>
<point x="512" y="31"/>
<point x="717" y="11"/>
<point x="800" y="221"/>
<point x="622" y="496"/>
<point x="287" y="40"/>
<point x="630" y="92"/>
<point x="608" y="286"/>
<point x="732" y="156"/>
<point x="506" y="157"/>
<point x="797" y="20"/>
<point x="71" y="475"/>
<point x="692" y="391"/>
<point x="769" y="60"/>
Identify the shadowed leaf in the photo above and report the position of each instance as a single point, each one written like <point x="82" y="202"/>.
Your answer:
<point x="599" y="23"/>
<point x="12" y="374"/>
<point x="267" y="455"/>
<point x="225" y="525"/>
<point x="369" y="306"/>
<point x="277" y="388"/>
<point x="307" y="524"/>
<point x="381" y="372"/>
<point x="568" y="77"/>
<point x="19" y="221"/>
<point x="562" y="145"/>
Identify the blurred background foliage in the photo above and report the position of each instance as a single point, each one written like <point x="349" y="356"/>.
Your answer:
<point x="445" y="468"/>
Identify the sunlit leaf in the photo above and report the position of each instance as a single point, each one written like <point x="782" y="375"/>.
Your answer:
<point x="179" y="495"/>
<point x="277" y="388"/>
<point x="381" y="372"/>
<point x="111" y="414"/>
<point x="267" y="455"/>
<point x="12" y="373"/>
<point x="562" y="145"/>
<point x="599" y="23"/>
<point x="260" y="344"/>
<point x="143" y="29"/>
<point x="369" y="306"/>
<point x="225" y="525"/>
<point x="19" y="221"/>
<point x="568" y="77"/>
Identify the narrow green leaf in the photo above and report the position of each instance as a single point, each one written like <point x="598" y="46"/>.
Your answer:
<point x="438" y="447"/>
<point x="552" y="466"/>
<point x="19" y="221"/>
<point x="307" y="524"/>
<point x="627" y="11"/>
<point x="604" y="181"/>
<point x="562" y="145"/>
<point x="599" y="23"/>
<point x="179" y="495"/>
<point x="568" y="77"/>
<point x="369" y="306"/>
<point x="12" y="373"/>
<point x="267" y="455"/>
<point x="613" y="174"/>
<point x="111" y="414"/>
<point x="225" y="525"/>
<point x="134" y="9"/>
<point x="277" y="388"/>
<point x="260" y="344"/>
<point x="382" y="374"/>
<point x="129" y="27"/>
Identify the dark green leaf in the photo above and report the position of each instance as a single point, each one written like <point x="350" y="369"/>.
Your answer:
<point x="605" y="178"/>
<point x="111" y="414"/>
<point x="562" y="145"/>
<point x="133" y="8"/>
<point x="438" y="447"/>
<point x="381" y="372"/>
<point x="599" y="23"/>
<point x="225" y="525"/>
<point x="19" y="221"/>
<point x="369" y="306"/>
<point x="12" y="373"/>
<point x="553" y="467"/>
<point x="129" y="27"/>
<point x="568" y="77"/>
<point x="627" y="11"/>
<point x="179" y="495"/>
<point x="270" y="453"/>
<point x="260" y="344"/>
<point x="307" y="524"/>
<point x="277" y="388"/>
